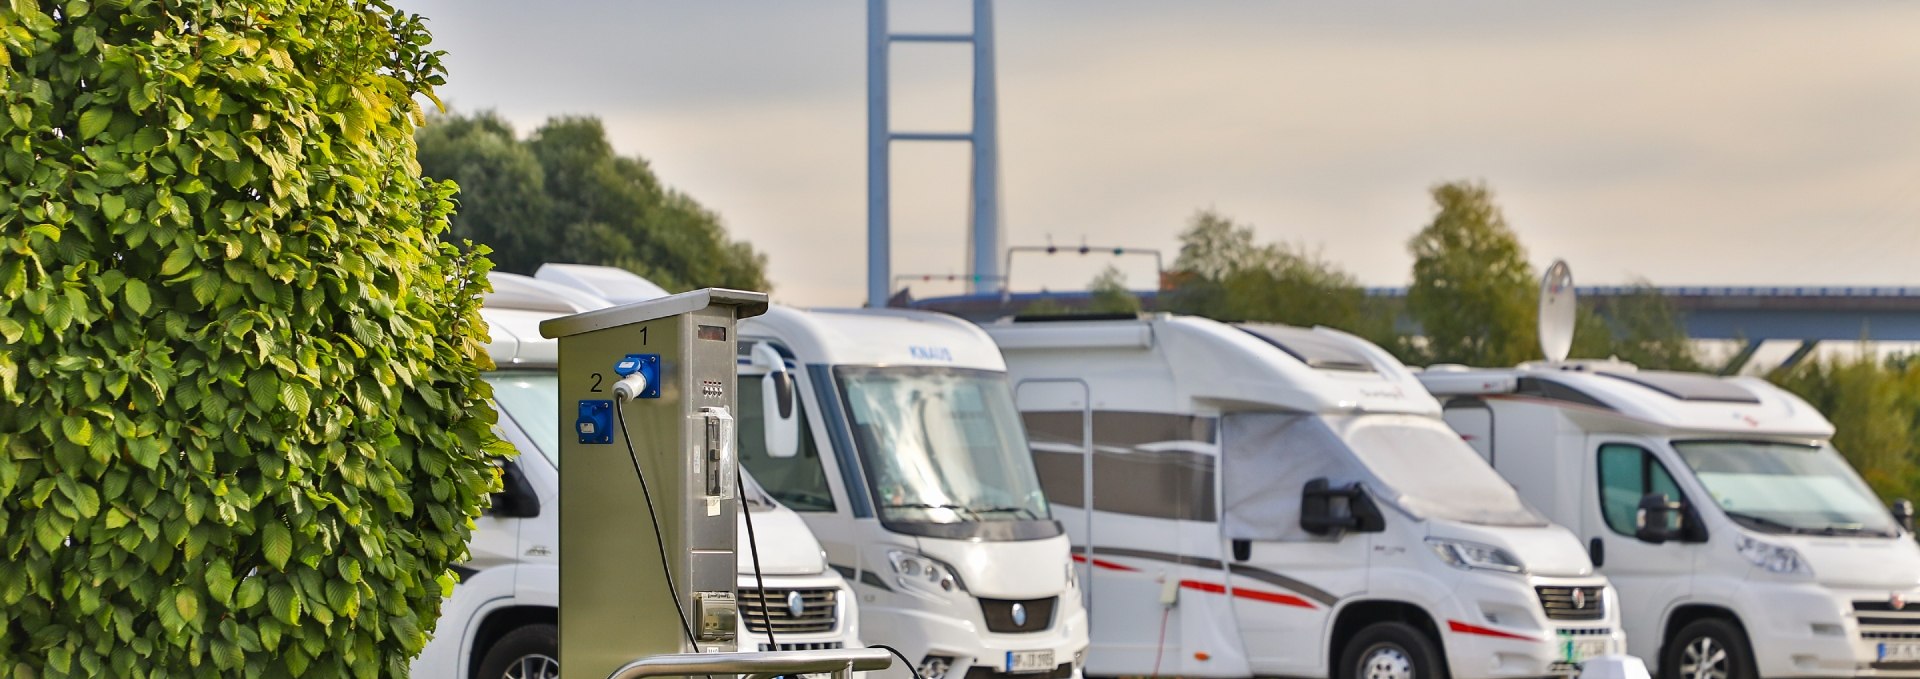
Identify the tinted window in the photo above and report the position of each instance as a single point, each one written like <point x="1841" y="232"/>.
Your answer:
<point x="799" y="482"/>
<point x="1627" y="474"/>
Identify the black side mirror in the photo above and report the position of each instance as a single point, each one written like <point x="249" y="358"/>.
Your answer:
<point x="1242" y="550"/>
<point x="1903" y="514"/>
<point x="516" y="499"/>
<point x="1332" y="512"/>
<point x="1659" y="519"/>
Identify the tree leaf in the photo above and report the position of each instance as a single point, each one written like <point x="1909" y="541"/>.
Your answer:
<point x="78" y="430"/>
<point x="136" y="296"/>
<point x="94" y="120"/>
<point x="276" y="543"/>
<point x="177" y="261"/>
<point x="187" y="603"/>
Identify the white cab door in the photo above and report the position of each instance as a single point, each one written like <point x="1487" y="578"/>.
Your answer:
<point x="1650" y="577"/>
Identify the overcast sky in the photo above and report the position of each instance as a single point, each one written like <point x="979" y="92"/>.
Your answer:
<point x="1695" y="143"/>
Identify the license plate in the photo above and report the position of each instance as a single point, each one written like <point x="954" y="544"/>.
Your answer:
<point x="1901" y="652"/>
<point x="1581" y="650"/>
<point x="1029" y="661"/>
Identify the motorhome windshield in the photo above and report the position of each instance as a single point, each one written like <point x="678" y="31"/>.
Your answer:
<point x="531" y="397"/>
<point x="1435" y="474"/>
<point x="1775" y="487"/>
<point x="941" y="445"/>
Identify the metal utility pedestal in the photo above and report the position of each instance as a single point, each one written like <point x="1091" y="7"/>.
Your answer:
<point x="615" y="602"/>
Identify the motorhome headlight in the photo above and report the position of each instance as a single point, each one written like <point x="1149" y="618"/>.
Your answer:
<point x="1772" y="558"/>
<point x="1473" y="555"/>
<point x="919" y="572"/>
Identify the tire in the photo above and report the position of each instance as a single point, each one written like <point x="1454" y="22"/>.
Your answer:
<point x="529" y="652"/>
<point x="1722" y="643"/>
<point x="1391" y="650"/>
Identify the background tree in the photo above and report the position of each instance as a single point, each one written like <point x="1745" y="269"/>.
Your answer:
<point x="1640" y="327"/>
<point x="1875" y="409"/>
<point x="242" y="431"/>
<point x="1473" y="292"/>
<point x="1110" y="294"/>
<point x="503" y="189"/>
<point x="563" y="195"/>
<point x="1223" y="273"/>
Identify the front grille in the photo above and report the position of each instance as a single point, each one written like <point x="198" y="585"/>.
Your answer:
<point x="1064" y="671"/>
<point x="1881" y="620"/>
<point x="819" y="610"/>
<point x="1584" y="631"/>
<point x="1572" y="603"/>
<point x="814" y="646"/>
<point x="1000" y="617"/>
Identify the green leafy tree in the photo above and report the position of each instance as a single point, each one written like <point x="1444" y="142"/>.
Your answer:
<point x="503" y="189"/>
<point x="563" y="195"/>
<point x="1640" y="327"/>
<point x="1223" y="273"/>
<point x="1110" y="294"/>
<point x="1473" y="293"/>
<point x="242" y="431"/>
<point x="1875" y="409"/>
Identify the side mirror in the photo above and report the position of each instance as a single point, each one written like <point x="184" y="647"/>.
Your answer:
<point x="780" y="412"/>
<point x="1333" y="512"/>
<point x="1903" y="514"/>
<point x="516" y="499"/>
<point x="1658" y="519"/>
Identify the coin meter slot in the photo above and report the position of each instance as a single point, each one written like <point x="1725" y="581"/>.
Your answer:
<point x="718" y="452"/>
<point x="719" y="614"/>
<point x="648" y="365"/>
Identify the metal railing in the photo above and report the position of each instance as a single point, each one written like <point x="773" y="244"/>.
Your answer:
<point x="840" y="662"/>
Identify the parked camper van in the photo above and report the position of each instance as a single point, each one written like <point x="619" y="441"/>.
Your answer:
<point x="501" y="620"/>
<point x="1277" y="501"/>
<point x="893" y="435"/>
<point x="1743" y="545"/>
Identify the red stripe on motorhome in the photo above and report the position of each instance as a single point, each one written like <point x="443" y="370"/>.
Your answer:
<point x="1465" y="628"/>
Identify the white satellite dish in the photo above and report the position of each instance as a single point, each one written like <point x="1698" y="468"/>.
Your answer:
<point x="1556" y="312"/>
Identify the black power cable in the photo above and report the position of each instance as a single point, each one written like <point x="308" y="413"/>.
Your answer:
<point x="753" y="549"/>
<point x="903" y="659"/>
<point x="658" y="539"/>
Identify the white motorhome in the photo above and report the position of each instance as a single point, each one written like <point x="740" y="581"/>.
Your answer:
<point x="1277" y="501"/>
<point x="1743" y="545"/>
<point x="908" y="460"/>
<point x="893" y="435"/>
<point x="501" y="622"/>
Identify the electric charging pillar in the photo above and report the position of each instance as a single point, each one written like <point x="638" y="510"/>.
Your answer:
<point x="658" y="375"/>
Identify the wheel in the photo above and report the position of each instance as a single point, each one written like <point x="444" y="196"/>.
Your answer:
<point x="1391" y="650"/>
<point x="530" y="652"/>
<point x="1708" y="649"/>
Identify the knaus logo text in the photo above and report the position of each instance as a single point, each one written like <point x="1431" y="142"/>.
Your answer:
<point x="931" y="354"/>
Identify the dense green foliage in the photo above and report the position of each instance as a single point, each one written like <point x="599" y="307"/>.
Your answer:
<point x="1875" y="409"/>
<point x="1473" y="292"/>
<point x="241" y="427"/>
<point x="1223" y="273"/>
<point x="563" y="195"/>
<point x="1110" y="294"/>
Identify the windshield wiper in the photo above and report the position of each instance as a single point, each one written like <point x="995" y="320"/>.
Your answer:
<point x="923" y="505"/>
<point x="996" y="510"/>
<point x="1764" y="522"/>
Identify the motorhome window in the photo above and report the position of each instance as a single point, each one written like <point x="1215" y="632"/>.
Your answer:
<point x="941" y="445"/>
<point x="1688" y="386"/>
<point x="1315" y="349"/>
<point x="1555" y="391"/>
<point x="1434" y="473"/>
<point x="799" y="482"/>
<point x="1628" y="473"/>
<point x="1775" y="487"/>
<point x="531" y="397"/>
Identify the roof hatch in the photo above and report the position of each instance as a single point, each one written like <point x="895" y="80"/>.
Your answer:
<point x="1688" y="386"/>
<point x="1317" y="350"/>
